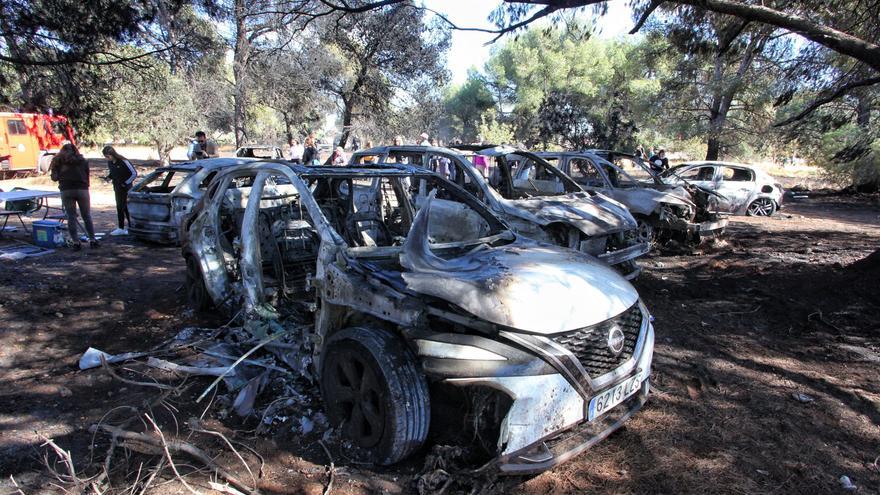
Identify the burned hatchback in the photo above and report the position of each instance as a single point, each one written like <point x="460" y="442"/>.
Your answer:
<point x="159" y="202"/>
<point x="422" y="299"/>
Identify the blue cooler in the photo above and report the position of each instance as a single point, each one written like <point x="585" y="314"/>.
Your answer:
<point x="48" y="233"/>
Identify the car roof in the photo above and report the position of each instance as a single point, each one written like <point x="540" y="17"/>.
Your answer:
<point x="210" y="163"/>
<point x="258" y="146"/>
<point x="415" y="148"/>
<point x="715" y="162"/>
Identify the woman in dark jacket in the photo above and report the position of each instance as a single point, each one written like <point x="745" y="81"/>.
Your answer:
<point x="71" y="171"/>
<point x="310" y="153"/>
<point x="122" y="174"/>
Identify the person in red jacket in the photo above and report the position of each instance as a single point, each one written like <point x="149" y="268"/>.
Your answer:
<point x="71" y="170"/>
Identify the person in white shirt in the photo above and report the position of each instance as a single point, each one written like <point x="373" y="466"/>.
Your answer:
<point x="425" y="141"/>
<point x="295" y="151"/>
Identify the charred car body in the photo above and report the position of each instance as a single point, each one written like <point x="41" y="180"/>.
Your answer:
<point x="419" y="294"/>
<point x="159" y="202"/>
<point x="562" y="214"/>
<point x="683" y="213"/>
<point x="746" y="190"/>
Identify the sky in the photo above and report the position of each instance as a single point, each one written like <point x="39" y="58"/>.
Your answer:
<point x="469" y="48"/>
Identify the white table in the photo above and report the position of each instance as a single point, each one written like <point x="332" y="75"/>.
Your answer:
<point x="28" y="194"/>
<point x="24" y="195"/>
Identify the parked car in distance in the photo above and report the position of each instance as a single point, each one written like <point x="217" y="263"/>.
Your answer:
<point x="423" y="300"/>
<point x="663" y="213"/>
<point x="562" y="214"/>
<point x="265" y="152"/>
<point x="163" y="197"/>
<point x="746" y="190"/>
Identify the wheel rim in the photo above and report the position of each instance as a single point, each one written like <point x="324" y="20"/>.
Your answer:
<point x="761" y="207"/>
<point x="354" y="397"/>
<point x="645" y="232"/>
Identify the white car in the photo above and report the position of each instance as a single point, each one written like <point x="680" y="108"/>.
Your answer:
<point x="747" y="190"/>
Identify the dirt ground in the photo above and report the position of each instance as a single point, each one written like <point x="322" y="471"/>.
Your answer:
<point x="765" y="375"/>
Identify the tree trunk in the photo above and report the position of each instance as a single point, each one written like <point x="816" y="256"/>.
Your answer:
<point x="725" y="91"/>
<point x="241" y="53"/>
<point x="347" y="114"/>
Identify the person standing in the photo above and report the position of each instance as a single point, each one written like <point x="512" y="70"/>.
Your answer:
<point x="122" y="174"/>
<point x="658" y="162"/>
<point x="337" y="158"/>
<point x="310" y="152"/>
<point x="71" y="171"/>
<point x="296" y="151"/>
<point x="202" y="148"/>
<point x="424" y="141"/>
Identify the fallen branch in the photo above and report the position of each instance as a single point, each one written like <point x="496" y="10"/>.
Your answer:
<point x="239" y="360"/>
<point x="112" y="373"/>
<point x="177" y="446"/>
<point x="68" y="462"/>
<point x="332" y="468"/>
<point x="192" y="370"/>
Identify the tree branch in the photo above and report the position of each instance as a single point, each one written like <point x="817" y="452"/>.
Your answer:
<point x="645" y="15"/>
<point x="827" y="98"/>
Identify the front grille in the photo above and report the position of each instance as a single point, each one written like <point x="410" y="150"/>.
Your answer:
<point x="590" y="344"/>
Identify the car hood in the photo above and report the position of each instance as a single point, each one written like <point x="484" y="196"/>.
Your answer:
<point x="592" y="215"/>
<point x="645" y="201"/>
<point x="524" y="285"/>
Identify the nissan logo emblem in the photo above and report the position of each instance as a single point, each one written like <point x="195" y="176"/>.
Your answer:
<point x="616" y="340"/>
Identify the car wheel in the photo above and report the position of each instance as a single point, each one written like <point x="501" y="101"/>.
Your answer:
<point x="761" y="207"/>
<point x="375" y="393"/>
<point x="645" y="231"/>
<point x="196" y="293"/>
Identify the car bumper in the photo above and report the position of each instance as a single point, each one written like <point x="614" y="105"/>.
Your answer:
<point x="163" y="233"/>
<point x="709" y="229"/>
<point x="624" y="260"/>
<point x="547" y="423"/>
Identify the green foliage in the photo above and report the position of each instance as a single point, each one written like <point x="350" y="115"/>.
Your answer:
<point x="465" y="106"/>
<point x="572" y="90"/>
<point x="152" y="106"/>
<point x="494" y="132"/>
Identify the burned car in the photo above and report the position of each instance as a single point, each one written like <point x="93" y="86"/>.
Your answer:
<point x="746" y="190"/>
<point x="562" y="214"/>
<point x="423" y="300"/>
<point x="663" y="212"/>
<point x="264" y="151"/>
<point x="157" y="203"/>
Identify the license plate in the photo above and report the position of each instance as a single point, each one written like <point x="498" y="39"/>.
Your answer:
<point x="605" y="401"/>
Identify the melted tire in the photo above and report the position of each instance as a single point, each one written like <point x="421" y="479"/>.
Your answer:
<point x="196" y="292"/>
<point x="404" y="398"/>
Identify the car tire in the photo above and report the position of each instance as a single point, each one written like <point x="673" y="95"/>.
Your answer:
<point x="374" y="391"/>
<point x="196" y="293"/>
<point x="761" y="207"/>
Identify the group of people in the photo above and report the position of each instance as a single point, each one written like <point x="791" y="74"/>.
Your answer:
<point x="308" y="153"/>
<point x="71" y="171"/>
<point x="656" y="158"/>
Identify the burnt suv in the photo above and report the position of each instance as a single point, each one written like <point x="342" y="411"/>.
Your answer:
<point x="422" y="299"/>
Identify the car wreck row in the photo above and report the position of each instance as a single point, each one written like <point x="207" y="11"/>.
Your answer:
<point x="490" y="304"/>
<point x="422" y="298"/>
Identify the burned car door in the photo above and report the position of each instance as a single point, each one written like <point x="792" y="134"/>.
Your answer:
<point x="535" y="179"/>
<point x="150" y="206"/>
<point x="737" y="185"/>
